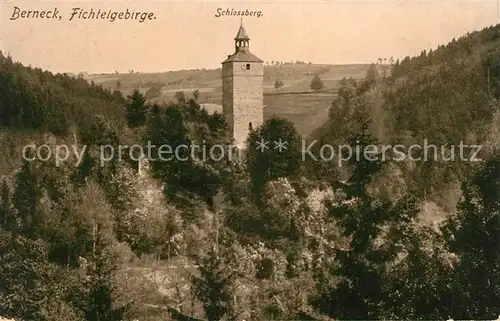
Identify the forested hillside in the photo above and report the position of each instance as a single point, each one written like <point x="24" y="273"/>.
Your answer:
<point x="443" y="96"/>
<point x="265" y="236"/>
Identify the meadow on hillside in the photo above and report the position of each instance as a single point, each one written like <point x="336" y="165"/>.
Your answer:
<point x="294" y="101"/>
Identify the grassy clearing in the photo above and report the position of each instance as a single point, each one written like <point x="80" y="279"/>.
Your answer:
<point x="307" y="112"/>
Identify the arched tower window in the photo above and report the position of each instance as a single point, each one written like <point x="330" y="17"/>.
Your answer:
<point x="242" y="41"/>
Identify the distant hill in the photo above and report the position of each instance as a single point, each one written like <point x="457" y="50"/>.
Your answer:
<point x="207" y="80"/>
<point x="294" y="101"/>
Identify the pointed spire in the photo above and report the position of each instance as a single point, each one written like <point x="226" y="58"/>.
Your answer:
<point x="242" y="34"/>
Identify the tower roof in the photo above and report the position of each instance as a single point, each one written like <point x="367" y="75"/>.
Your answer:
<point x="242" y="34"/>
<point x="242" y="56"/>
<point x="242" y="53"/>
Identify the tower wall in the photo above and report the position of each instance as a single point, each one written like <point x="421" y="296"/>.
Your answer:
<point x="227" y="95"/>
<point x="243" y="97"/>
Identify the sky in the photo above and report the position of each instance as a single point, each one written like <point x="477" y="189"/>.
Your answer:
<point x="188" y="35"/>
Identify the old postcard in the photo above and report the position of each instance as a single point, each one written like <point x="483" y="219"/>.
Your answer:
<point x="259" y="160"/>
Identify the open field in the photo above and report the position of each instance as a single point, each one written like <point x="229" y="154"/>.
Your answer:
<point x="295" y="77"/>
<point x="307" y="110"/>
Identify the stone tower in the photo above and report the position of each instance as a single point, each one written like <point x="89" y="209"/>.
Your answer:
<point x="242" y="89"/>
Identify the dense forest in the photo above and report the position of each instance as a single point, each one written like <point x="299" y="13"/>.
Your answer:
<point x="266" y="235"/>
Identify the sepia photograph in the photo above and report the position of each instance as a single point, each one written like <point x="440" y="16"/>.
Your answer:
<point x="249" y="160"/>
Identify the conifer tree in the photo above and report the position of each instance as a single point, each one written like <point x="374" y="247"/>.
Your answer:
<point x="214" y="287"/>
<point x="136" y="109"/>
<point x="316" y="83"/>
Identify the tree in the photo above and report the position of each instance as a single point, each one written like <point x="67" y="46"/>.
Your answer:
<point x="266" y="163"/>
<point x="371" y="78"/>
<point x="278" y="84"/>
<point x="316" y="83"/>
<point x="180" y="97"/>
<point x="136" y="109"/>
<point x="196" y="95"/>
<point x="214" y="287"/>
<point x="472" y="235"/>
